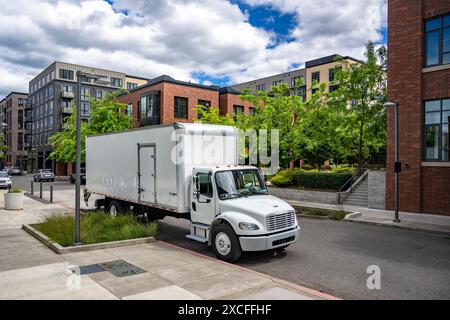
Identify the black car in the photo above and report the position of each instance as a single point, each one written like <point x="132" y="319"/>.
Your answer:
<point x="44" y="175"/>
<point x="73" y="177"/>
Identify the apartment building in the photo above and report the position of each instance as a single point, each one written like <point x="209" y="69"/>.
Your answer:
<point x="419" y="81"/>
<point x="13" y="129"/>
<point x="165" y="100"/>
<point x="319" y="70"/>
<point x="51" y="101"/>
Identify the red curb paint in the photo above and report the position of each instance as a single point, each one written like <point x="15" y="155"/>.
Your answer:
<point x="274" y="279"/>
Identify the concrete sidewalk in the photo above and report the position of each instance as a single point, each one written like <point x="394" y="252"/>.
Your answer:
<point x="29" y="270"/>
<point x="411" y="221"/>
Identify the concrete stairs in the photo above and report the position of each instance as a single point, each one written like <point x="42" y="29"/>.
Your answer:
<point x="359" y="196"/>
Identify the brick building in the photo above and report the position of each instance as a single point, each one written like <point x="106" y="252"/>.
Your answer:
<point x="419" y="80"/>
<point x="165" y="100"/>
<point x="13" y="128"/>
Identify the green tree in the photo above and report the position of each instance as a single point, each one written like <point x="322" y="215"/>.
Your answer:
<point x="106" y="115"/>
<point x="362" y="92"/>
<point x="3" y="147"/>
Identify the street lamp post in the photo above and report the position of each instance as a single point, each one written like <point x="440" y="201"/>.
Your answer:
<point x="86" y="77"/>
<point x="397" y="164"/>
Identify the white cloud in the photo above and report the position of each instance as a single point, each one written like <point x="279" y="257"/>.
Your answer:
<point x="174" y="37"/>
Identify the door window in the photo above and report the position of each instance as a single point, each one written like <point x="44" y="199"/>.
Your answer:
<point x="205" y="185"/>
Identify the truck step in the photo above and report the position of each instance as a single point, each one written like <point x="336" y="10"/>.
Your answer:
<point x="197" y="238"/>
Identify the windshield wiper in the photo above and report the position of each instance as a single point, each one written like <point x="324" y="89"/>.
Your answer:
<point x="231" y="195"/>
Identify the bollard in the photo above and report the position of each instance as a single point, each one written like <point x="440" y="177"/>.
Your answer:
<point x="32" y="185"/>
<point x="51" y="193"/>
<point x="40" y="189"/>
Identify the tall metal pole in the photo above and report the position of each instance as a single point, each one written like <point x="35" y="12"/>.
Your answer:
<point x="397" y="163"/>
<point x="77" y="162"/>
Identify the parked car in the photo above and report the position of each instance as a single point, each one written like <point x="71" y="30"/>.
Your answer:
<point x="73" y="177"/>
<point x="15" y="171"/>
<point x="44" y="175"/>
<point x="5" y="180"/>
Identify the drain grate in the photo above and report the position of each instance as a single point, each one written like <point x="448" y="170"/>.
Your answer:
<point x="120" y="268"/>
<point x="89" y="269"/>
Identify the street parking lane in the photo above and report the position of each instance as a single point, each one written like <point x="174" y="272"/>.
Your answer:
<point x="24" y="182"/>
<point x="333" y="257"/>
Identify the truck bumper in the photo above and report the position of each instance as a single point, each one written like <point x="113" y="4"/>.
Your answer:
<point x="267" y="242"/>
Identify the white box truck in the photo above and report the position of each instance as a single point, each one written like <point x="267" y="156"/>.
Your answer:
<point x="189" y="171"/>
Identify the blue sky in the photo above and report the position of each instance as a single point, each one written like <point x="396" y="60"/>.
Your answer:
<point x="218" y="42"/>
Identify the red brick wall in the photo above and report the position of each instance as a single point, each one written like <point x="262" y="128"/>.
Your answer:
<point x="192" y="93"/>
<point x="228" y="100"/>
<point x="422" y="189"/>
<point x="168" y="93"/>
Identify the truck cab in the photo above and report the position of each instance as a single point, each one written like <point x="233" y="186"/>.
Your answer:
<point x="232" y="211"/>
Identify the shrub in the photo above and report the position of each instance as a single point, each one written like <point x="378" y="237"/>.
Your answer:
<point x="282" y="178"/>
<point x="343" y="169"/>
<point x="96" y="227"/>
<point x="321" y="180"/>
<point x="15" y="190"/>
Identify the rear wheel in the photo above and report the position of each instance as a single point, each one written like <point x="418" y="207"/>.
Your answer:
<point x="115" y="208"/>
<point x="225" y="243"/>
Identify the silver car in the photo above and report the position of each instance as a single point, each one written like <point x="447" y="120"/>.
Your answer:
<point x="44" y="175"/>
<point x="5" y="180"/>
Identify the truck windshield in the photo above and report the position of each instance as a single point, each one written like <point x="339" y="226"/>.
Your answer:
<point x="237" y="183"/>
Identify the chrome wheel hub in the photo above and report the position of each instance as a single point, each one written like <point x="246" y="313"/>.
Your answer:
<point x="223" y="243"/>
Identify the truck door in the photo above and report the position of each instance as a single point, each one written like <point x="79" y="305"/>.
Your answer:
<point x="202" y="204"/>
<point x="147" y="170"/>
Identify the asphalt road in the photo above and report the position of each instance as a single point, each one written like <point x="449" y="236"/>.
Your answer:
<point x="333" y="256"/>
<point x="24" y="183"/>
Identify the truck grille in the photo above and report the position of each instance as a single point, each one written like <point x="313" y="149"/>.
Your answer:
<point x="280" y="221"/>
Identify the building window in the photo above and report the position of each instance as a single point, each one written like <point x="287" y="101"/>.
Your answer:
<point x="66" y="74"/>
<point x="130" y="109"/>
<point x="300" y="91"/>
<point x="314" y="90"/>
<point x="100" y="94"/>
<point x="315" y="77"/>
<point x="50" y="107"/>
<point x="252" y="110"/>
<point x="205" y="103"/>
<point x="85" y="94"/>
<point x="66" y="88"/>
<point x="238" y="109"/>
<point x="181" y="108"/>
<point x="85" y="108"/>
<point x="261" y="87"/>
<point x="296" y="81"/>
<point x="20" y="140"/>
<point x="20" y="120"/>
<point x="149" y="107"/>
<point x="276" y="83"/>
<point x="50" y="122"/>
<point x="437" y="41"/>
<point x="437" y="139"/>
<point x="131" y="85"/>
<point x="333" y="88"/>
<point x="116" y="82"/>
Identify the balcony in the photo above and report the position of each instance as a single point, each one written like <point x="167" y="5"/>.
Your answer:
<point x="68" y="94"/>
<point x="67" y="110"/>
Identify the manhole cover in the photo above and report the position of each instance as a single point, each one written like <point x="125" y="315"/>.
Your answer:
<point x="120" y="268"/>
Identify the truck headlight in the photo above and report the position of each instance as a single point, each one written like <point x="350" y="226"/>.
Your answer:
<point x="248" y="226"/>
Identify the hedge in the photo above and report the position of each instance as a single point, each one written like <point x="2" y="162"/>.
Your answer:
<point x="311" y="180"/>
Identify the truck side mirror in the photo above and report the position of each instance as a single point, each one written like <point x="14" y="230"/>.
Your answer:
<point x="195" y="181"/>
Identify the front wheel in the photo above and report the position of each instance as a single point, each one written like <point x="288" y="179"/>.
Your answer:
<point x="225" y="243"/>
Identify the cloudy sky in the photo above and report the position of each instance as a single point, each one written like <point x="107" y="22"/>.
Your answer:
<point x="206" y="41"/>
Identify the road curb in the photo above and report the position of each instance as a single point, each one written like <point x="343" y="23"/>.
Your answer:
<point x="404" y="227"/>
<point x="56" y="247"/>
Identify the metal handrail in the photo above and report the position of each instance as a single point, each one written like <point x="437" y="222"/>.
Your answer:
<point x="360" y="172"/>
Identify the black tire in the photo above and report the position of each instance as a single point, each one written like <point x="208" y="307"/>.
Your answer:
<point x="234" y="247"/>
<point x="115" y="208"/>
